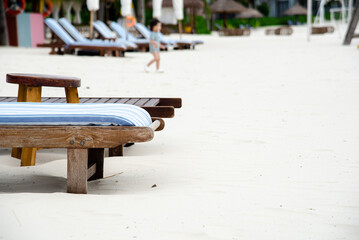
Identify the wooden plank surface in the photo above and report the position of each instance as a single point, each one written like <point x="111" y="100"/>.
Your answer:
<point x="122" y="100"/>
<point x="102" y="100"/>
<point x="112" y="100"/>
<point x="152" y="102"/>
<point x="72" y="136"/>
<point x="141" y="102"/>
<point x="132" y="101"/>
<point x="77" y="170"/>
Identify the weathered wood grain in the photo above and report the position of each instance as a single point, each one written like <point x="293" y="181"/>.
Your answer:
<point x="43" y="80"/>
<point x="72" y="95"/>
<point x="77" y="170"/>
<point x="72" y="136"/>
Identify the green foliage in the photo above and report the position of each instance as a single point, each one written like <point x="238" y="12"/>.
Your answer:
<point x="260" y="22"/>
<point x="264" y="9"/>
<point x="202" y="25"/>
<point x="148" y="16"/>
<point x="85" y="16"/>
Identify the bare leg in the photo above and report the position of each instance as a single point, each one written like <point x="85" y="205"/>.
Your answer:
<point x="153" y="60"/>
<point x="157" y="58"/>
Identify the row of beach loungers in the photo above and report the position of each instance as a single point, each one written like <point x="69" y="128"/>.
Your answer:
<point x="114" y="39"/>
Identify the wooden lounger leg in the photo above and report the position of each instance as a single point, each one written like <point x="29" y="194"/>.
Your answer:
<point x="21" y="97"/>
<point x="72" y="95"/>
<point x="52" y="52"/>
<point x="95" y="163"/>
<point x="77" y="170"/>
<point x="27" y="94"/>
<point x="28" y="156"/>
<point x="116" y="152"/>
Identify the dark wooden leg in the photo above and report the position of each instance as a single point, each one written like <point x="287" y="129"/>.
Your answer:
<point x="72" y="95"/>
<point x="118" y="151"/>
<point x="96" y="156"/>
<point x="77" y="170"/>
<point x="21" y="97"/>
<point x="52" y="52"/>
<point x="28" y="155"/>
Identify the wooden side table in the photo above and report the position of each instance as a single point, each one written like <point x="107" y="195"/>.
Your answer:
<point x="30" y="86"/>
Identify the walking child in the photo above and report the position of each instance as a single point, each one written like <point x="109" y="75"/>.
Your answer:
<point x="155" y="45"/>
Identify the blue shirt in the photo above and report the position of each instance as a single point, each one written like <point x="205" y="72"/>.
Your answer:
<point x="155" y="36"/>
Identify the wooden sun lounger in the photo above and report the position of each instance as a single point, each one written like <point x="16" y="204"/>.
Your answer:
<point x="322" y="30"/>
<point x="30" y="88"/>
<point x="85" y="146"/>
<point x="279" y="31"/>
<point x="62" y="47"/>
<point x="156" y="107"/>
<point x="235" y="32"/>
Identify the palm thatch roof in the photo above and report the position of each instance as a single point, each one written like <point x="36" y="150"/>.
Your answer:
<point x="250" y="13"/>
<point x="227" y="6"/>
<point x="296" y="10"/>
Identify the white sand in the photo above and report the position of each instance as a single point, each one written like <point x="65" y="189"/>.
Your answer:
<point x="265" y="146"/>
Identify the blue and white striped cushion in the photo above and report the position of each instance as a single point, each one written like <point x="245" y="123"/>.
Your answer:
<point x="83" y="114"/>
<point x="143" y="30"/>
<point x="66" y="38"/>
<point x="72" y="30"/>
<point x="121" y="31"/>
<point x="59" y="31"/>
<point x="105" y="31"/>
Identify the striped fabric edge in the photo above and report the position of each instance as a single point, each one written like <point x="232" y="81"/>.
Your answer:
<point x="66" y="38"/>
<point x="111" y="114"/>
<point x="72" y="30"/>
<point x="59" y="31"/>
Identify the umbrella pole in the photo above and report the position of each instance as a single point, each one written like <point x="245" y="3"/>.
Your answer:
<point x="180" y="28"/>
<point x="309" y="19"/>
<point x="91" y="25"/>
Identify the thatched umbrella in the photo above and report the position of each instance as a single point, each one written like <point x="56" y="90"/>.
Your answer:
<point x="225" y="7"/>
<point x="249" y="14"/>
<point x="296" y="11"/>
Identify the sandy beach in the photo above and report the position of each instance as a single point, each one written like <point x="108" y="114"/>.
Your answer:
<point x="264" y="147"/>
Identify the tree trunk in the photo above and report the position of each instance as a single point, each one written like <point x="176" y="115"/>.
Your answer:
<point x="141" y="11"/>
<point x="4" y="39"/>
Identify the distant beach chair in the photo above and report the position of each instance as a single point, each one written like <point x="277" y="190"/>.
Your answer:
<point x="78" y="36"/>
<point x="279" y="31"/>
<point x="84" y="129"/>
<point x="106" y="34"/>
<point x="62" y="40"/>
<point x="235" y="32"/>
<point x="180" y="43"/>
<point x="143" y="44"/>
<point x="322" y="29"/>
